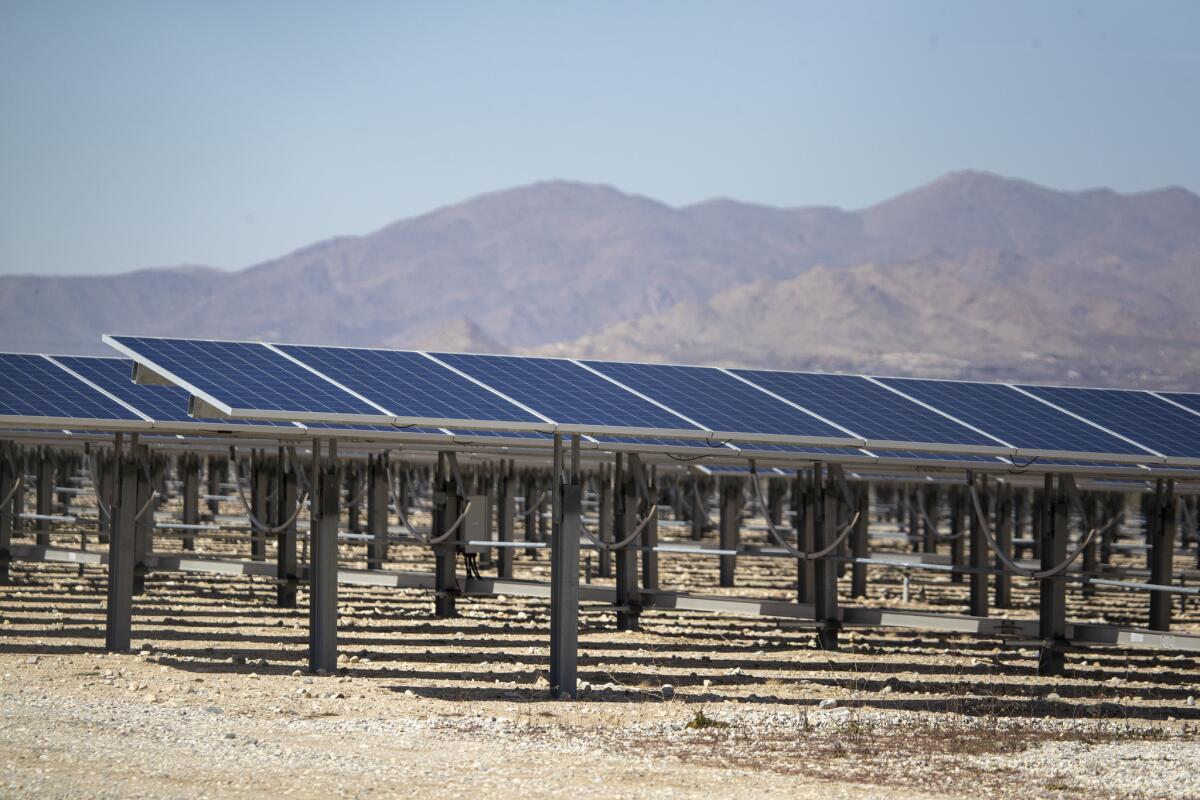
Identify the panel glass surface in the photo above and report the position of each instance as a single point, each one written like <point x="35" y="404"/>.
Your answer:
<point x="1009" y="415"/>
<point x="565" y="392"/>
<point x="408" y="384"/>
<point x="247" y="375"/>
<point x="716" y="400"/>
<point x="33" y="386"/>
<point x="1185" y="399"/>
<point x="1140" y="416"/>
<point x="865" y="407"/>
<point x="167" y="403"/>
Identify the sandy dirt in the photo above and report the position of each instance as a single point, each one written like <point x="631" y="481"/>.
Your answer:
<point x="214" y="700"/>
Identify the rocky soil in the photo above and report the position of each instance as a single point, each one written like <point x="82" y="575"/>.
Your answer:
<point x="215" y="702"/>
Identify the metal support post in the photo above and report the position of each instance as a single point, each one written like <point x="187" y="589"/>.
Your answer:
<point x="322" y="573"/>
<point x="18" y="499"/>
<point x="915" y="540"/>
<point x="928" y="498"/>
<point x="825" y="570"/>
<point x="564" y="572"/>
<point x="218" y="467"/>
<point x="45" y="495"/>
<point x="731" y="526"/>
<point x="649" y="537"/>
<point x="377" y="510"/>
<point x="1114" y="505"/>
<point x="1002" y="589"/>
<point x="699" y="495"/>
<point x="354" y="480"/>
<point x="628" y="598"/>
<point x="189" y="466"/>
<point x="506" y="518"/>
<point x="810" y="484"/>
<point x="1162" y="551"/>
<point x="287" y="570"/>
<point x="776" y="493"/>
<point x="958" y="503"/>
<point x="1052" y="592"/>
<point x="1020" y="509"/>
<point x="528" y="521"/>
<point x="1091" y="502"/>
<point x="605" y="533"/>
<point x="143" y="523"/>
<point x="978" y="552"/>
<point x="102" y="483"/>
<point x="259" y="491"/>
<point x="1037" y="521"/>
<point x="118" y="614"/>
<point x="8" y="479"/>
<point x="859" y="542"/>
<point x="446" y="497"/>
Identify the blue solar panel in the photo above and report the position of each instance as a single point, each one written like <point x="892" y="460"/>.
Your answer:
<point x="409" y="384"/>
<point x="1184" y="399"/>
<point x="114" y="375"/>
<point x="33" y="386"/>
<point x="1146" y="419"/>
<point x="1007" y="414"/>
<point x="716" y="400"/>
<point x="566" y="392"/>
<point x="866" y="408"/>
<point x="245" y="376"/>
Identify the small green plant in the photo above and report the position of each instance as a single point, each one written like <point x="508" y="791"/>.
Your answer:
<point x="700" y="722"/>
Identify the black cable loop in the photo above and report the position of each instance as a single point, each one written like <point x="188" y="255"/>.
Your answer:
<point x="815" y="556"/>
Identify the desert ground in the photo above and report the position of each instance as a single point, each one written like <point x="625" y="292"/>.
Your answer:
<point x="215" y="700"/>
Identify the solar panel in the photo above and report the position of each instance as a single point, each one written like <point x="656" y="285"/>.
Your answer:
<point x="1140" y="416"/>
<point x="578" y="400"/>
<point x="1185" y="399"/>
<point x="1031" y="426"/>
<point x="882" y="417"/>
<point x="113" y="375"/>
<point x="34" y="389"/>
<point x="412" y="386"/>
<point x="718" y="401"/>
<point x="247" y="379"/>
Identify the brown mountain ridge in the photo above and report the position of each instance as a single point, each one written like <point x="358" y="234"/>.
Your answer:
<point x="971" y="275"/>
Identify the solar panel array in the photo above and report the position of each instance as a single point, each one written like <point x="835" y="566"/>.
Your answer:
<point x="567" y="393"/>
<point x="1026" y="423"/>
<point x="409" y="385"/>
<point x="499" y="398"/>
<point x="867" y="408"/>
<point x="34" y="388"/>
<point x="236" y="377"/>
<point x="722" y="403"/>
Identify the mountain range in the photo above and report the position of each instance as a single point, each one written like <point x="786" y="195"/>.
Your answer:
<point x="972" y="275"/>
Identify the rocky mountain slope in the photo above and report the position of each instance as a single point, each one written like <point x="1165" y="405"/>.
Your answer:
<point x="973" y="274"/>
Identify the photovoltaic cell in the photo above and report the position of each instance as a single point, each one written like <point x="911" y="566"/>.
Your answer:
<point x="33" y="386"/>
<point x="245" y="376"/>
<point x="1013" y="417"/>
<point x="409" y="384"/>
<point x="865" y="407"/>
<point x="1186" y="399"/>
<point x="1142" y="417"/>
<point x="716" y="400"/>
<point x="565" y="392"/>
<point x="114" y="375"/>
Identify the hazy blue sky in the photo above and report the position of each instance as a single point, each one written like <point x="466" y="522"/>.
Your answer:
<point x="136" y="134"/>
